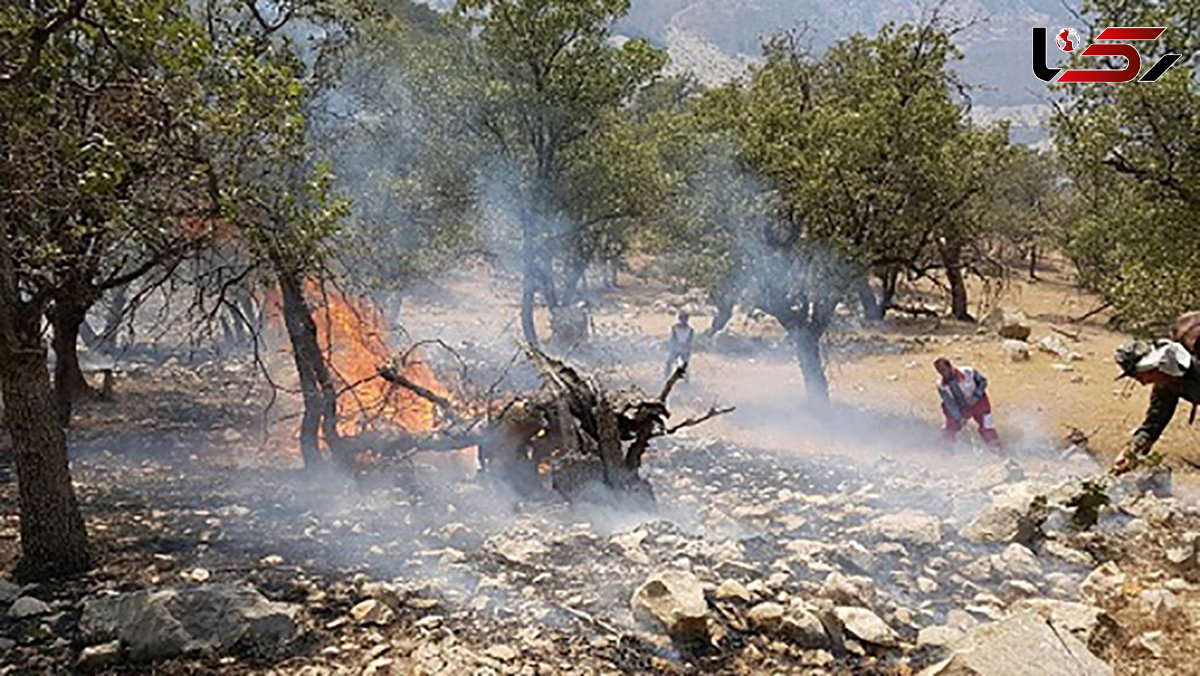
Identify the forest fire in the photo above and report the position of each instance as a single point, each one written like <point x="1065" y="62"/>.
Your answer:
<point x="352" y="333"/>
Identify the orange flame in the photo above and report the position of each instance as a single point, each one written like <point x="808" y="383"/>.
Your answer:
<point x="352" y="332"/>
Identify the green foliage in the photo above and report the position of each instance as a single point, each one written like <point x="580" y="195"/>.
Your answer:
<point x="1134" y="153"/>
<point x="544" y="96"/>
<point x="864" y="155"/>
<point x="1087" y="503"/>
<point x="95" y="162"/>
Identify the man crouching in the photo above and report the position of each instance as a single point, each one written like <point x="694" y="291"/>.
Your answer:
<point x="964" y="395"/>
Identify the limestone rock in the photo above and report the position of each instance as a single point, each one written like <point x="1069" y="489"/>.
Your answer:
<point x="1161" y="604"/>
<point x="99" y="656"/>
<point x="1089" y="624"/>
<point x="1104" y="585"/>
<point x="372" y="611"/>
<point x="1014" y="646"/>
<point x="674" y="600"/>
<point x="167" y="622"/>
<point x="1016" y="350"/>
<point x="939" y="635"/>
<point x="911" y="527"/>
<point x="766" y="616"/>
<point x="804" y="628"/>
<point x="865" y="625"/>
<point x="1054" y="345"/>
<point x="849" y="589"/>
<point x="1006" y="519"/>
<point x="1016" y="561"/>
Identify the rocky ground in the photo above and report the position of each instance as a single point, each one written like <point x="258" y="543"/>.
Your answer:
<point x="755" y="561"/>
<point x="785" y="540"/>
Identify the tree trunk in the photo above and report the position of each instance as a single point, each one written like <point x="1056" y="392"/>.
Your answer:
<point x="807" y="341"/>
<point x="53" y="538"/>
<point x="952" y="259"/>
<point x="69" y="383"/>
<point x="721" y="318"/>
<point x="316" y="385"/>
<point x="528" y="283"/>
<point x="872" y="310"/>
<point x="887" y="292"/>
<point x="1033" y="261"/>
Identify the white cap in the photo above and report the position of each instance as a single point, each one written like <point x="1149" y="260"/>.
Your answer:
<point x="1169" y="357"/>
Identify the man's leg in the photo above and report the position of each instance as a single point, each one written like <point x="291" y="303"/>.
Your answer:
<point x="950" y="429"/>
<point x="982" y="413"/>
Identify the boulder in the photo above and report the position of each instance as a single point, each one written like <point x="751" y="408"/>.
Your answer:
<point x="802" y="627"/>
<point x="1016" y="350"/>
<point x="865" y="625"/>
<point x="154" y="624"/>
<point x="1021" y="644"/>
<point x="1009" y="323"/>
<point x="1185" y="556"/>
<point x="27" y="606"/>
<point x="1161" y="604"/>
<point x="995" y="474"/>
<point x="911" y="527"/>
<point x="674" y="600"/>
<point x="939" y="635"/>
<point x="1008" y="517"/>
<point x="1089" y="624"/>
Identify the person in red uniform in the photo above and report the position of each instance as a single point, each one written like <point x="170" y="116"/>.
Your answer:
<point x="964" y="396"/>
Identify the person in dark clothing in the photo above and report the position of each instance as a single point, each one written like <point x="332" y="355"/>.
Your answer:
<point x="1172" y="373"/>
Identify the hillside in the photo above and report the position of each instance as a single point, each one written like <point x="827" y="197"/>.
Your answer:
<point x="714" y="39"/>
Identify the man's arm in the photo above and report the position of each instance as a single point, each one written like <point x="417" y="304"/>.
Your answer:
<point x="949" y="405"/>
<point x="980" y="385"/>
<point x="1163" y="402"/>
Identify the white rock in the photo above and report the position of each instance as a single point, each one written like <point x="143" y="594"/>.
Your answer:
<point x="1104" y="585"/>
<point x="674" y="600"/>
<point x="1021" y="644"/>
<point x="912" y="527"/>
<point x="1016" y="561"/>
<point x="99" y="656"/>
<point x="1016" y="350"/>
<point x="372" y="611"/>
<point x="866" y="625"/>
<point x="766" y="616"/>
<point x="167" y="622"/>
<point x="1161" y="604"/>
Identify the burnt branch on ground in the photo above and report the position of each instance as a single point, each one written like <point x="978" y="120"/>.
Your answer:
<point x="590" y="439"/>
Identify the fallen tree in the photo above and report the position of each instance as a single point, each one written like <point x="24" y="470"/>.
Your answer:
<point x="590" y="440"/>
